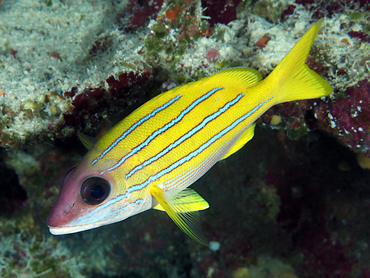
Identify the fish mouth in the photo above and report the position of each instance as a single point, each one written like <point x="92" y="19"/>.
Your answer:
<point x="63" y="231"/>
<point x="63" y="226"/>
<point x="70" y="229"/>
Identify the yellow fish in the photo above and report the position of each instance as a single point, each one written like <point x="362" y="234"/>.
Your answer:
<point x="150" y="158"/>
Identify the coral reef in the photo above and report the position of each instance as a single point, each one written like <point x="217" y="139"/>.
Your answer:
<point x="23" y="256"/>
<point x="183" y="41"/>
<point x="349" y="117"/>
<point x="78" y="53"/>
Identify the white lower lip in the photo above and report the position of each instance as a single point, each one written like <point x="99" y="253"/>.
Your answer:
<point x="64" y="231"/>
<point x="71" y="229"/>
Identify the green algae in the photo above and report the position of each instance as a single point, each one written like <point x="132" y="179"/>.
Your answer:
<point x="223" y="64"/>
<point x="294" y="133"/>
<point x="367" y="29"/>
<point x="269" y="9"/>
<point x="271" y="200"/>
<point x="169" y="37"/>
<point x="356" y="16"/>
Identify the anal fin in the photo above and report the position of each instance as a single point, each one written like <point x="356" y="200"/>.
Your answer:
<point x="182" y="208"/>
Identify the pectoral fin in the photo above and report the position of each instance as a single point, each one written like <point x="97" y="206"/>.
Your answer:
<point x="242" y="140"/>
<point x="189" y="200"/>
<point x="87" y="141"/>
<point x="182" y="208"/>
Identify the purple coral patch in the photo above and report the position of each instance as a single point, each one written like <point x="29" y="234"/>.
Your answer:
<point x="349" y="117"/>
<point x="72" y="92"/>
<point x="363" y="37"/>
<point x="322" y="8"/>
<point x="287" y="12"/>
<point x="138" y="14"/>
<point x="212" y="55"/>
<point x="92" y="100"/>
<point x="222" y="11"/>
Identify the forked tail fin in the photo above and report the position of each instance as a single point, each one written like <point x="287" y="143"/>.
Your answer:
<point x="293" y="79"/>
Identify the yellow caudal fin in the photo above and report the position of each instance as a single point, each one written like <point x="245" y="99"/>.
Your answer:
<point x="293" y="79"/>
<point x="184" y="213"/>
<point x="242" y="140"/>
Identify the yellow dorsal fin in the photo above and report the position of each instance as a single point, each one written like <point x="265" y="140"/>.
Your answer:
<point x="293" y="79"/>
<point x="250" y="76"/>
<point x="242" y="140"/>
<point x="189" y="200"/>
<point x="87" y="141"/>
<point x="182" y="213"/>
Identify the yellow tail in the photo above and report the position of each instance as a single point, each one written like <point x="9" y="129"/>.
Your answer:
<point x="294" y="80"/>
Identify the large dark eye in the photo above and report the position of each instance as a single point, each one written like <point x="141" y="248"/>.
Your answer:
<point x="94" y="190"/>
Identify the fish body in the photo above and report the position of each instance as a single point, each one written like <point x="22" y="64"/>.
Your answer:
<point x="149" y="159"/>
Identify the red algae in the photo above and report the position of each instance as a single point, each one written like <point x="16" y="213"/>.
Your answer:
<point x="322" y="8"/>
<point x="349" y="118"/>
<point x="212" y="55"/>
<point x="172" y="13"/>
<point x="222" y="11"/>
<point x="261" y="43"/>
<point x="72" y="92"/>
<point x="323" y="257"/>
<point x="316" y="63"/>
<point x="138" y="14"/>
<point x="295" y="117"/>
<point x="92" y="100"/>
<point x="363" y="37"/>
<point x="287" y="12"/>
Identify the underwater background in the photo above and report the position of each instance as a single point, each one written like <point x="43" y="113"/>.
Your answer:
<point x="293" y="202"/>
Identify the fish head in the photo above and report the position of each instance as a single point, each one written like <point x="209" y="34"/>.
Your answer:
<point x="89" y="199"/>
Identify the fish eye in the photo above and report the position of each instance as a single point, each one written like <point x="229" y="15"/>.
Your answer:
<point x="94" y="190"/>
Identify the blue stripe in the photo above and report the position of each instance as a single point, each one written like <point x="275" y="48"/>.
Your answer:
<point x="197" y="151"/>
<point x="132" y="128"/>
<point x="171" y="168"/>
<point x="187" y="135"/>
<point x="162" y="129"/>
